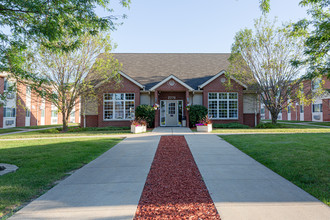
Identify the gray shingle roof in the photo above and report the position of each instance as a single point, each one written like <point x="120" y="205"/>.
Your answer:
<point x="192" y="68"/>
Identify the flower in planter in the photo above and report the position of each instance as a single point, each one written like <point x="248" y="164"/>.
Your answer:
<point x="188" y="106"/>
<point x="204" y="121"/>
<point x="156" y="106"/>
<point x="139" y="122"/>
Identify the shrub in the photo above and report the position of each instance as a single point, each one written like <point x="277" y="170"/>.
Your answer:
<point x="230" y="125"/>
<point x="147" y="113"/>
<point x="269" y="125"/>
<point x="196" y="113"/>
<point x="51" y="131"/>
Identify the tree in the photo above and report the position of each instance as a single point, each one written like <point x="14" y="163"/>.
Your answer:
<point x="69" y="75"/>
<point x="47" y="23"/>
<point x="317" y="45"/>
<point x="261" y="58"/>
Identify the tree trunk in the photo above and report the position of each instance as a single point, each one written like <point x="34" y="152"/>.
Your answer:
<point x="274" y="117"/>
<point x="65" y="122"/>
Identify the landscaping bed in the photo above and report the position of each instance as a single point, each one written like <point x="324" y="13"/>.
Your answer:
<point x="41" y="163"/>
<point x="302" y="159"/>
<point x="174" y="188"/>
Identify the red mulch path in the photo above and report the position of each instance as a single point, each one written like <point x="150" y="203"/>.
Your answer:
<point x="174" y="188"/>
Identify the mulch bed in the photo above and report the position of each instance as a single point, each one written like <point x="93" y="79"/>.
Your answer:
<point x="174" y="188"/>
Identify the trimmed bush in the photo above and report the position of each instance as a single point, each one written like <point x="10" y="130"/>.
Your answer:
<point x="196" y="113"/>
<point x="230" y="125"/>
<point x="147" y="113"/>
<point x="269" y="125"/>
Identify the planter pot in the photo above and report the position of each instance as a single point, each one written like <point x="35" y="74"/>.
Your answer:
<point x="138" y="129"/>
<point x="204" y="128"/>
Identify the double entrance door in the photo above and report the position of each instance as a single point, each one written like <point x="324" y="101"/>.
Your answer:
<point x="171" y="112"/>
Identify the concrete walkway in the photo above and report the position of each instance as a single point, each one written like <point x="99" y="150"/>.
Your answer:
<point x="110" y="186"/>
<point x="107" y="188"/>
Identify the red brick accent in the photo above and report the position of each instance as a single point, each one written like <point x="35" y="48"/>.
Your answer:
<point x="294" y="114"/>
<point x="249" y="119"/>
<point x="35" y="109"/>
<point x="91" y="121"/>
<point x="20" y="105"/>
<point x="48" y="113"/>
<point x="284" y="114"/>
<point x="326" y="83"/>
<point x="178" y="96"/>
<point x="179" y="91"/>
<point x="157" y="113"/>
<point x="266" y="113"/>
<point x="326" y="109"/>
<point x="168" y="88"/>
<point x="217" y="86"/>
<point x="126" y="87"/>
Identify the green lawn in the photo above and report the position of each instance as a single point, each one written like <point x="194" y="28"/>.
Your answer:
<point x="47" y="126"/>
<point x="282" y="128"/>
<point x="8" y="130"/>
<point x="268" y="120"/>
<point x="41" y="163"/>
<point x="302" y="159"/>
<point x="74" y="131"/>
<point x="325" y="123"/>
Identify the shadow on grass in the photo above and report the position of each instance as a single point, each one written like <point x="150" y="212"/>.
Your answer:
<point x="41" y="163"/>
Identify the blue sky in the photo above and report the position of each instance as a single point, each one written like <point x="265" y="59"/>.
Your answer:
<point x="192" y="26"/>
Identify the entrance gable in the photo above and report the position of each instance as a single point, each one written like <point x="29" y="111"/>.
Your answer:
<point x="171" y="83"/>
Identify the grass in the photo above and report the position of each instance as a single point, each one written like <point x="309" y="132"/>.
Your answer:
<point x="47" y="126"/>
<point x="73" y="131"/>
<point x="325" y="123"/>
<point x="296" y="157"/>
<point x="41" y="163"/>
<point x="279" y="128"/>
<point x="268" y="120"/>
<point x="8" y="130"/>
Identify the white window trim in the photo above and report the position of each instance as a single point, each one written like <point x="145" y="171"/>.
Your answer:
<point x="113" y="108"/>
<point x="217" y="99"/>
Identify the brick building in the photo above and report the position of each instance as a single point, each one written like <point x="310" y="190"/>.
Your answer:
<point x="318" y="110"/>
<point x="172" y="81"/>
<point x="26" y="108"/>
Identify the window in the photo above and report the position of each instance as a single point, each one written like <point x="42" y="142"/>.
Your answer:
<point x="118" y="106"/>
<point x="28" y="113"/>
<point x="301" y="109"/>
<point x="317" y="107"/>
<point x="9" y="112"/>
<point x="262" y="110"/>
<point x="54" y="114"/>
<point x="5" y="85"/>
<point x="171" y="108"/>
<point x="289" y="109"/>
<point x="316" y="83"/>
<point x="223" y="105"/>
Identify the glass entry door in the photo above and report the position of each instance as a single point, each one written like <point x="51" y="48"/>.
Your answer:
<point x="171" y="112"/>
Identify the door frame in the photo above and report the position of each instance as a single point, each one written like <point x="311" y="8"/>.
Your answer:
<point x="176" y="107"/>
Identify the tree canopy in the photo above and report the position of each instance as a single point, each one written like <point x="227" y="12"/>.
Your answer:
<point x="261" y="58"/>
<point x="71" y="75"/>
<point x="48" y="23"/>
<point x="317" y="45"/>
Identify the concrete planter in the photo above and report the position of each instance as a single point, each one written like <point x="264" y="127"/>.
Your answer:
<point x="204" y="128"/>
<point x="138" y="129"/>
